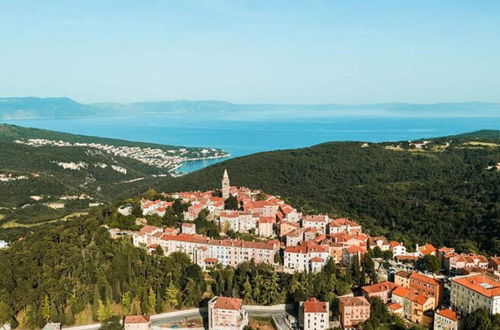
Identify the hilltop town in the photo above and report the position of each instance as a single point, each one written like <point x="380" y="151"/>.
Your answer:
<point x="425" y="285"/>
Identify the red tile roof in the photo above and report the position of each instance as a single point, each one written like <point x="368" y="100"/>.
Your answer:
<point x="379" y="287"/>
<point x="449" y="314"/>
<point x="481" y="284"/>
<point x="423" y="278"/>
<point x="354" y="301"/>
<point x="313" y="305"/>
<point x="394" y="306"/>
<point x="228" y="303"/>
<point x="136" y="319"/>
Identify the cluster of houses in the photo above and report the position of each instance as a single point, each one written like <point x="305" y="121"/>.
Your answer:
<point x="168" y="159"/>
<point x="307" y="243"/>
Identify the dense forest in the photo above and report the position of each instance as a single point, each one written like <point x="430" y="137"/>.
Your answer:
<point x="446" y="193"/>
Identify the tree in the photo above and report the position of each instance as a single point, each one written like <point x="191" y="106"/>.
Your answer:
<point x="45" y="309"/>
<point x="231" y="203"/>
<point x="246" y="292"/>
<point x="112" y="324"/>
<point x="428" y="263"/>
<point x="171" y="295"/>
<point x="103" y="311"/>
<point x="127" y="302"/>
<point x="480" y="319"/>
<point x="151" y="301"/>
<point x="5" y="313"/>
<point x="95" y="303"/>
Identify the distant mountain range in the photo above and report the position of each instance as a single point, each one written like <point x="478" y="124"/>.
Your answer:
<point x="33" y="107"/>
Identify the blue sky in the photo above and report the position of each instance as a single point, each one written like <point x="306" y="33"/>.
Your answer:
<point x="272" y="51"/>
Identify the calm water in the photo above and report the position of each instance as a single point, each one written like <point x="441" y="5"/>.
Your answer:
<point x="250" y="136"/>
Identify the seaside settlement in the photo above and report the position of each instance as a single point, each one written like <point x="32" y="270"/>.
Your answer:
<point x="169" y="159"/>
<point x="306" y="243"/>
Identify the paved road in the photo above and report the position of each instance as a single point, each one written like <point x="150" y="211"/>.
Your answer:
<point x="179" y="316"/>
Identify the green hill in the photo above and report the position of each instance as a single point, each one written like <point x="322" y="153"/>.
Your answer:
<point x="441" y="194"/>
<point x="43" y="179"/>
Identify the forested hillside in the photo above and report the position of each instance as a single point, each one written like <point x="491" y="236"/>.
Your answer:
<point x="46" y="175"/>
<point x="446" y="192"/>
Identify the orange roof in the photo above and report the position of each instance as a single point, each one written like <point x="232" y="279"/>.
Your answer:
<point x="136" y="319"/>
<point x="313" y="305"/>
<point x="449" y="314"/>
<point x="394" y="306"/>
<point x="418" y="298"/>
<point x="354" y="301"/>
<point x="317" y="259"/>
<point x="211" y="260"/>
<point x="379" y="287"/>
<point x="481" y="284"/>
<point x="228" y="303"/>
<point x="401" y="292"/>
<point x="266" y="220"/>
<point x="423" y="278"/>
<point x="427" y="249"/>
<point x="306" y="247"/>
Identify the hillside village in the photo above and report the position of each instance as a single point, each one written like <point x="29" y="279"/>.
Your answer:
<point x="265" y="229"/>
<point x="168" y="159"/>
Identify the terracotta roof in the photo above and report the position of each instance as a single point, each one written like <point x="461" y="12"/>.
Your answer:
<point x="481" y="284"/>
<point x="317" y="259"/>
<point x="401" y="292"/>
<point x="404" y="273"/>
<point x="418" y="298"/>
<point x="306" y="247"/>
<point x="148" y="230"/>
<point x="379" y="287"/>
<point x="136" y="319"/>
<point x="449" y="314"/>
<point x="394" y="306"/>
<point x="228" y="303"/>
<point x="211" y="260"/>
<point x="187" y="224"/>
<point x="393" y="244"/>
<point x="423" y="278"/>
<point x="313" y="305"/>
<point x="427" y="249"/>
<point x="316" y="218"/>
<point x="354" y="301"/>
<point x="266" y="220"/>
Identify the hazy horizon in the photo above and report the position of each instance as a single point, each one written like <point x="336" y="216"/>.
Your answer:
<point x="258" y="52"/>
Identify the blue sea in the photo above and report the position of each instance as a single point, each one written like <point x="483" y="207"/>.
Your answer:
<point x="243" y="137"/>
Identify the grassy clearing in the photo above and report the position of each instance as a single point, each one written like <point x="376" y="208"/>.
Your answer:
<point x="14" y="223"/>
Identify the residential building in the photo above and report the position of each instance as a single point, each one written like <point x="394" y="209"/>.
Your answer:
<point x="343" y="225"/>
<point x="420" y="283"/>
<point x="453" y="261"/>
<point x="295" y="237"/>
<point x="265" y="226"/>
<point x="136" y="322"/>
<point x="472" y="292"/>
<point x="427" y="249"/>
<point x="414" y="305"/>
<point x="308" y="257"/>
<point x="397" y="248"/>
<point x="446" y="319"/>
<point x="314" y="315"/>
<point x="402" y="278"/>
<point x="378" y="241"/>
<point x="228" y="252"/>
<point x="318" y="222"/>
<point x="353" y="311"/>
<point x="396" y="308"/>
<point x="226" y="314"/>
<point x="188" y="228"/>
<point x="382" y="290"/>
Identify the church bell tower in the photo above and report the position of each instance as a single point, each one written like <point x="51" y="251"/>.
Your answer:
<point x="225" y="185"/>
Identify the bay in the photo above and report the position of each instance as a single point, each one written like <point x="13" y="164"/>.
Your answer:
<point x="243" y="137"/>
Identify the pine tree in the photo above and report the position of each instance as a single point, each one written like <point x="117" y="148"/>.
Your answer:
<point x="45" y="309"/>
<point x="171" y="295"/>
<point x="126" y="302"/>
<point x="103" y="311"/>
<point x="246" y="293"/>
<point x="95" y="304"/>
<point x="151" y="301"/>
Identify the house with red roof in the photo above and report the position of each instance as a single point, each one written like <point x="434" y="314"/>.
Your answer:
<point x="353" y="311"/>
<point x="472" y="292"/>
<point x="307" y="256"/>
<point x="314" y="315"/>
<point x="427" y="249"/>
<point x="446" y="319"/>
<point x="382" y="290"/>
<point x="136" y="322"/>
<point x="226" y="314"/>
<point x="414" y="305"/>
<point x="397" y="248"/>
<point x="319" y="222"/>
